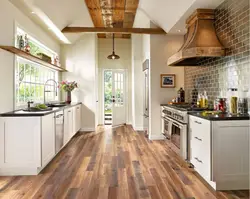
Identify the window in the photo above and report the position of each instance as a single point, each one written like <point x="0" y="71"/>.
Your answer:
<point x="30" y="80"/>
<point x="30" y="77"/>
<point x="35" y="46"/>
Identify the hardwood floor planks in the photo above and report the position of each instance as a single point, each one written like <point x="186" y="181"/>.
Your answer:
<point x="117" y="163"/>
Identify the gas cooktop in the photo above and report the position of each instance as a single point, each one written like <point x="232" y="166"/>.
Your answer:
<point x="186" y="107"/>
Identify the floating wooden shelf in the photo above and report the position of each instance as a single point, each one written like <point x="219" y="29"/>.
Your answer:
<point x="33" y="58"/>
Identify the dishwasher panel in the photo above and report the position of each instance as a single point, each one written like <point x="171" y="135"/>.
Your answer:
<point x="59" y="125"/>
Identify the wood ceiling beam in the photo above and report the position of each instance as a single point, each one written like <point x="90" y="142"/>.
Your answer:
<point x="114" y="30"/>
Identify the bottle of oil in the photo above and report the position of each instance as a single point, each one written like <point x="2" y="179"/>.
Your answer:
<point x="205" y="100"/>
<point x="199" y="100"/>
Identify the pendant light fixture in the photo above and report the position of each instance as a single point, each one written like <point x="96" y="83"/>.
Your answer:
<point x="113" y="55"/>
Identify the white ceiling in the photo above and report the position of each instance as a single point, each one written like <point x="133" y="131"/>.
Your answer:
<point x="167" y="14"/>
<point x="66" y="12"/>
<point x="57" y="14"/>
<point x="180" y="26"/>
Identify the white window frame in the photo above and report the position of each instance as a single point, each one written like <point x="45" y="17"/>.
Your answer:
<point x="35" y="82"/>
<point x="19" y="29"/>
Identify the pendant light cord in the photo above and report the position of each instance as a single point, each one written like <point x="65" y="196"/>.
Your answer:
<point x="113" y="42"/>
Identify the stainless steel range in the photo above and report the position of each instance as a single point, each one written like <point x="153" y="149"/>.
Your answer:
<point x="175" y="126"/>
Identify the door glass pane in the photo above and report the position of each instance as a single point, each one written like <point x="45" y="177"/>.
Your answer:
<point x="119" y="90"/>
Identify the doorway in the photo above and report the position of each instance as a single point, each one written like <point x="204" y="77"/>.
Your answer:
<point x="115" y="105"/>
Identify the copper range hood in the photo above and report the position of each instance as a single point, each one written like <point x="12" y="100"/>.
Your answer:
<point x="201" y="40"/>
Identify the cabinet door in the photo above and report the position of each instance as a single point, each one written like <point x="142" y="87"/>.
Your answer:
<point x="68" y="124"/>
<point x="78" y="117"/>
<point x="20" y="142"/>
<point x="48" y="138"/>
<point x="231" y="151"/>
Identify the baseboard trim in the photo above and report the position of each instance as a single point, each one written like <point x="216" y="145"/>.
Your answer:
<point x="87" y="130"/>
<point x="136" y="128"/>
<point x="157" y="137"/>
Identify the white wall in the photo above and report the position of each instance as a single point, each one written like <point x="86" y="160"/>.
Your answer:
<point x="161" y="48"/>
<point x="80" y="61"/>
<point x="156" y="48"/>
<point x="123" y="49"/>
<point x="10" y="16"/>
<point x="137" y="82"/>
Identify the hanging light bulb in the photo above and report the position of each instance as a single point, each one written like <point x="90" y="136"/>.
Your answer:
<point x="113" y="55"/>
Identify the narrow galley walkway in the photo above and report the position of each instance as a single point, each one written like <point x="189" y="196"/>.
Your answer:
<point x="117" y="163"/>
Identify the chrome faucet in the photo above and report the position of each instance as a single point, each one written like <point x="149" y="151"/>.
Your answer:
<point x="45" y="91"/>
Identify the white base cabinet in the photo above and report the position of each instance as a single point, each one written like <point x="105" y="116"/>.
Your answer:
<point x="68" y="125"/>
<point x="48" y="139"/>
<point x="219" y="151"/>
<point x="72" y="122"/>
<point x="77" y="118"/>
<point x="27" y="144"/>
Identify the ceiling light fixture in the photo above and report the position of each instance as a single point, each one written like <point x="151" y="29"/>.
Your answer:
<point x="179" y="30"/>
<point x="113" y="55"/>
<point x="33" y="12"/>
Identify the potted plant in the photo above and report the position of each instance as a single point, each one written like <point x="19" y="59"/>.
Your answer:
<point x="68" y="87"/>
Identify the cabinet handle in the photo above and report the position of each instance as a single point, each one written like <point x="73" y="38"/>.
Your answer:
<point x="198" y="122"/>
<point x="198" y="160"/>
<point x="58" y="116"/>
<point x="198" y="138"/>
<point x="69" y="111"/>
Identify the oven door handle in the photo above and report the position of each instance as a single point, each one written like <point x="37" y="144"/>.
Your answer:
<point x="179" y="126"/>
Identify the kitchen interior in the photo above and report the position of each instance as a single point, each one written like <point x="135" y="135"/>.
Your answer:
<point x="178" y="102"/>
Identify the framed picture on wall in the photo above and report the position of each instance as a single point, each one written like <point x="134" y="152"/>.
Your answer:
<point x="167" y="80"/>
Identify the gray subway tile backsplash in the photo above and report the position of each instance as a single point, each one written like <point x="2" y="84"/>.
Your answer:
<point x="217" y="75"/>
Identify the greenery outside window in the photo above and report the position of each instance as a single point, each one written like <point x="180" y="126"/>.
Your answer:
<point x="36" y="46"/>
<point x="30" y="79"/>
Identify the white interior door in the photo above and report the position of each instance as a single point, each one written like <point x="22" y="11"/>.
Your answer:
<point x="119" y="98"/>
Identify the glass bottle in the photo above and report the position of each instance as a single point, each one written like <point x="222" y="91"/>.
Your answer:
<point x="205" y="100"/>
<point x="243" y="102"/>
<point x="21" y="43"/>
<point x="233" y="100"/>
<point x="199" y="100"/>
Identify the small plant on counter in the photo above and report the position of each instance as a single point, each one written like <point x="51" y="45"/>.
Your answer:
<point x="68" y="87"/>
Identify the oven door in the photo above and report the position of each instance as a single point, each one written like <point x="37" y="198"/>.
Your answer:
<point x="166" y="127"/>
<point x="179" y="138"/>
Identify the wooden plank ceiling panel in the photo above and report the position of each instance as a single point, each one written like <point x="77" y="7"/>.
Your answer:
<point x="95" y="12"/>
<point x="129" y="15"/>
<point x="113" y="13"/>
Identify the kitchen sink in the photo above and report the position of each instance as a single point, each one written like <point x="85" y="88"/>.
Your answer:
<point x="56" y="105"/>
<point x="33" y="109"/>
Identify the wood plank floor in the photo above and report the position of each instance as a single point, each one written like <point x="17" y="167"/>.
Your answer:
<point x="118" y="163"/>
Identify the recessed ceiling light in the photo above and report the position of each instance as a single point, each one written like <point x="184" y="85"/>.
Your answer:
<point x="179" y="30"/>
<point x="33" y="12"/>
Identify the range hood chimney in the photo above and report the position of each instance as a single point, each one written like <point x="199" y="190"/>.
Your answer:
<point x="201" y="40"/>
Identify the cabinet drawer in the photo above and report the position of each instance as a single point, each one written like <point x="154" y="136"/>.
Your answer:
<point x="199" y="129"/>
<point x="200" y="146"/>
<point x="200" y="158"/>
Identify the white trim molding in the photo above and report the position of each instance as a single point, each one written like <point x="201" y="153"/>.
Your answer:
<point x="87" y="130"/>
<point x="138" y="128"/>
<point x="157" y="137"/>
